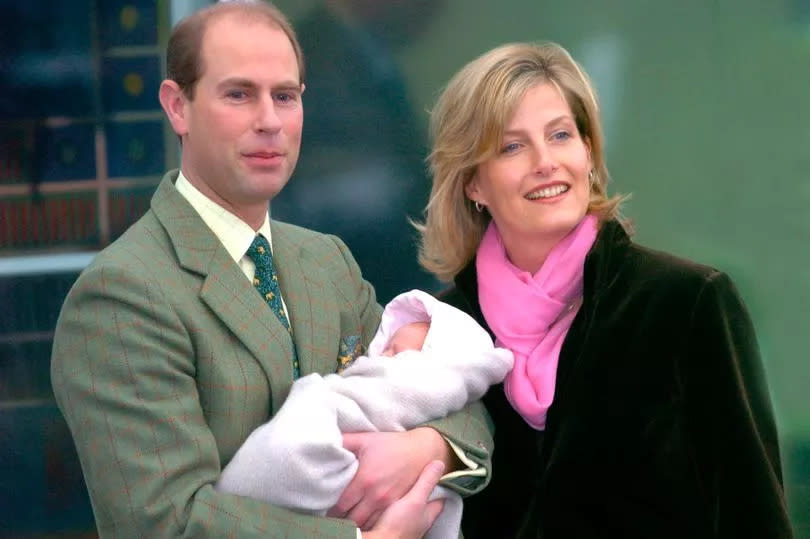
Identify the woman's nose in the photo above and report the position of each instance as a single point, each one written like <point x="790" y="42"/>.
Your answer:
<point x="544" y="162"/>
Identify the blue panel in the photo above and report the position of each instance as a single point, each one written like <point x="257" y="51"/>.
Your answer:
<point x="65" y="153"/>
<point x="14" y="156"/>
<point x="46" y="66"/>
<point x="127" y="206"/>
<point x="25" y="370"/>
<point x="135" y="148"/>
<point x="128" y="22"/>
<point x="39" y="465"/>
<point x="131" y="84"/>
<point x="35" y="301"/>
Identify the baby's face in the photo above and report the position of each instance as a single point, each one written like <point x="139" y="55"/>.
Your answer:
<point x="408" y="337"/>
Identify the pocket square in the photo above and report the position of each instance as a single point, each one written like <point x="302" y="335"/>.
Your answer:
<point x="350" y="349"/>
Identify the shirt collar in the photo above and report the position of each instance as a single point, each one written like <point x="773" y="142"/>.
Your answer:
<point x="235" y="234"/>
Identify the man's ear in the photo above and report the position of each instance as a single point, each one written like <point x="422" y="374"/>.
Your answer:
<point x="173" y="101"/>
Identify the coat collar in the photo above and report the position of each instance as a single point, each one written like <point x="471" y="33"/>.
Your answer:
<point x="233" y="299"/>
<point x="604" y="259"/>
<point x="194" y="244"/>
<point x="602" y="268"/>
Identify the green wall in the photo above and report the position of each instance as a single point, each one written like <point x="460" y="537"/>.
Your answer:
<point x="708" y="126"/>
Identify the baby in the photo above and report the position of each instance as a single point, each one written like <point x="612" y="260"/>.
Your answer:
<point x="408" y="337"/>
<point x="444" y="360"/>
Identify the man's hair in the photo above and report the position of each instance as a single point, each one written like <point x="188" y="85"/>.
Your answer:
<point x="184" y="63"/>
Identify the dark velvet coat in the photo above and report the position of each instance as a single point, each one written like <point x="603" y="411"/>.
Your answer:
<point x="661" y="424"/>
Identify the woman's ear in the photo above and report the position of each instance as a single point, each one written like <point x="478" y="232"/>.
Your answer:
<point x="173" y="101"/>
<point x="472" y="191"/>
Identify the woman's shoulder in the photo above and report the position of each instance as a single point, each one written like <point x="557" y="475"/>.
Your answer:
<point x="621" y="264"/>
<point x="616" y="252"/>
<point x="657" y="262"/>
<point x="652" y="273"/>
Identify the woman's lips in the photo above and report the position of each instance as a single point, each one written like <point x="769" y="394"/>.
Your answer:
<point x="548" y="192"/>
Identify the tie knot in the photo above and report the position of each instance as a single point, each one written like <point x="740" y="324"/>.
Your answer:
<point x="259" y="252"/>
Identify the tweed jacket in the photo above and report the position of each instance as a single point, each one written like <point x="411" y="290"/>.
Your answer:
<point x="661" y="423"/>
<point x="165" y="359"/>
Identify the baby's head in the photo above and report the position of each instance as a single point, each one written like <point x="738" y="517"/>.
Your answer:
<point x="407" y="337"/>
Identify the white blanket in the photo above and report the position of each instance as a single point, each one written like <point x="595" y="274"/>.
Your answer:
<point x="297" y="459"/>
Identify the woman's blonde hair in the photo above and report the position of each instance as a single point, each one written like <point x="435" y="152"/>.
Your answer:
<point x="466" y="127"/>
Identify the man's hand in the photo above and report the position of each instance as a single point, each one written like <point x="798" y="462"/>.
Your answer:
<point x="413" y="515"/>
<point x="390" y="463"/>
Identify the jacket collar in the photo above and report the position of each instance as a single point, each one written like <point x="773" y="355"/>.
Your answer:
<point x="195" y="245"/>
<point x="602" y="269"/>
<point x="604" y="259"/>
<point x="230" y="295"/>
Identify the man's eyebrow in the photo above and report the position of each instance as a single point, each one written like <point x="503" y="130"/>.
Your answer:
<point x="288" y="85"/>
<point x="237" y="81"/>
<point x="241" y="82"/>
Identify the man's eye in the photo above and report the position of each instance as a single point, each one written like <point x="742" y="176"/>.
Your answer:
<point x="285" y="97"/>
<point x="236" y="94"/>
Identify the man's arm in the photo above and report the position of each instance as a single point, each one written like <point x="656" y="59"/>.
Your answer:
<point x="468" y="434"/>
<point x="123" y="372"/>
<point x="384" y="472"/>
<point x="389" y="462"/>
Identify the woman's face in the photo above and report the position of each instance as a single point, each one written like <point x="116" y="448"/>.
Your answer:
<point x="536" y="186"/>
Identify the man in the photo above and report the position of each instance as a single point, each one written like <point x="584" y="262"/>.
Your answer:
<point x="165" y="356"/>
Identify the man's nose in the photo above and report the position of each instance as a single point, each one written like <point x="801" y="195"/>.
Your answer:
<point x="267" y="119"/>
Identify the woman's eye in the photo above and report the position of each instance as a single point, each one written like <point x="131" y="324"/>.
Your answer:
<point x="561" y="135"/>
<point x="511" y="147"/>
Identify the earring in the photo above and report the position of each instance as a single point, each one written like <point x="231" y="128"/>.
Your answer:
<point x="478" y="206"/>
<point x="590" y="176"/>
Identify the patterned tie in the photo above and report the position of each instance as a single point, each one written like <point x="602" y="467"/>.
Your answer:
<point x="266" y="282"/>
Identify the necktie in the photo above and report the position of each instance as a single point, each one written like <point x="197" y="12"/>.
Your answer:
<point x="266" y="282"/>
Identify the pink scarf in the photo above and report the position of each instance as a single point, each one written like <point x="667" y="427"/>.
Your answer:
<point x="531" y="314"/>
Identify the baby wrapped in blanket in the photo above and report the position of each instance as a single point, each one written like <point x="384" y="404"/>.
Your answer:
<point x="297" y="459"/>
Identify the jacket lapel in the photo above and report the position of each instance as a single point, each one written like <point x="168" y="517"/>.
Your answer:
<point x="237" y="304"/>
<point x="310" y="299"/>
<point x="225" y="289"/>
<point x="601" y="271"/>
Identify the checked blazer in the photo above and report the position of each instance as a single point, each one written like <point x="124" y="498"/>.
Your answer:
<point x="165" y="359"/>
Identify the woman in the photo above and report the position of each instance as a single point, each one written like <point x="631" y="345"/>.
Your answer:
<point x="637" y="406"/>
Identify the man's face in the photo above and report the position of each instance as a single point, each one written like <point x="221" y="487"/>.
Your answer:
<point x="241" y="132"/>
